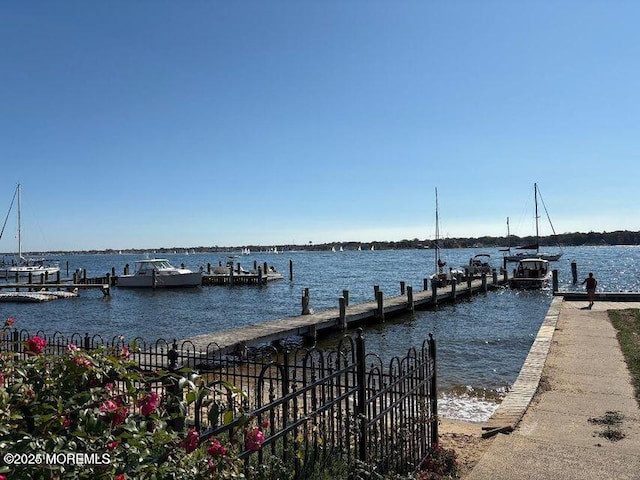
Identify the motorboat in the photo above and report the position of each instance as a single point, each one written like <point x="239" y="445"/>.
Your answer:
<point x="531" y="273"/>
<point x="159" y="273"/>
<point x="479" y="264"/>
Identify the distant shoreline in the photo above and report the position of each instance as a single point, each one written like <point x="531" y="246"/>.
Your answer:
<point x="617" y="238"/>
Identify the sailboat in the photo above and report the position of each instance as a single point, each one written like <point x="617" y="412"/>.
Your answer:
<point x="440" y="275"/>
<point x="535" y="246"/>
<point x="23" y="266"/>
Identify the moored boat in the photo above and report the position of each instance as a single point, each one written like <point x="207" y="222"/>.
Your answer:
<point x="531" y="273"/>
<point x="159" y="273"/>
<point x="480" y="264"/>
<point x="535" y="247"/>
<point x="23" y="266"/>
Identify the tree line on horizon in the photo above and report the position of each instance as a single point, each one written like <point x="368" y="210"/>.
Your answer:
<point x="619" y="237"/>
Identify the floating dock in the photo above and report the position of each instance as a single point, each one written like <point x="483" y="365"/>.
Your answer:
<point x="43" y="292"/>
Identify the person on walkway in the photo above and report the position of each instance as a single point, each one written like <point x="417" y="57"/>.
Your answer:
<point x="591" y="288"/>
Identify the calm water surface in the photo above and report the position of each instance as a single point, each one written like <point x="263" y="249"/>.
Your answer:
<point x="482" y="342"/>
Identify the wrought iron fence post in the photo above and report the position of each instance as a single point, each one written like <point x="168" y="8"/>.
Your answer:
<point x="87" y="341"/>
<point x="16" y="341"/>
<point x="434" y="391"/>
<point x="173" y="388"/>
<point x="172" y="355"/>
<point x="362" y="395"/>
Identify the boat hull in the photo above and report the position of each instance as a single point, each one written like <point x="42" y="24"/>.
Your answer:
<point x="193" y="279"/>
<point x="529" y="283"/>
<point x="23" y="271"/>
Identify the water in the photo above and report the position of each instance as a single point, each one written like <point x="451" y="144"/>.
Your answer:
<point x="482" y="342"/>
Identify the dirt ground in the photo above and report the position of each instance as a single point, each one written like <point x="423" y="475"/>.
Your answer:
<point x="466" y="439"/>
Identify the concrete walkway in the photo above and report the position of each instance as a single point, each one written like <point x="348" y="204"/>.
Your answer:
<point x="560" y="434"/>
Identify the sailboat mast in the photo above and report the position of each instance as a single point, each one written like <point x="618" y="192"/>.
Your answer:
<point x="535" y="197"/>
<point x="437" y="256"/>
<point x="19" y="221"/>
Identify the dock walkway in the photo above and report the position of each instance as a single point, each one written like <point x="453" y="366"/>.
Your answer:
<point x="559" y="430"/>
<point x="336" y="319"/>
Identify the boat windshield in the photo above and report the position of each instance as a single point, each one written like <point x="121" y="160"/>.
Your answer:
<point x="149" y="265"/>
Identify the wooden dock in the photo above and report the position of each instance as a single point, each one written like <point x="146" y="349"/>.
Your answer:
<point x="245" y="278"/>
<point x="345" y="316"/>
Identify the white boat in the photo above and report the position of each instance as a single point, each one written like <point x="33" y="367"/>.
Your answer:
<point x="531" y="273"/>
<point x="159" y="273"/>
<point x="536" y="246"/>
<point x="22" y="266"/>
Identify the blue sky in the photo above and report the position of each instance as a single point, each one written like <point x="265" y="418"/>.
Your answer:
<point x="156" y="123"/>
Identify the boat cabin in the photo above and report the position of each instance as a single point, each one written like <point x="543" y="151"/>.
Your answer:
<point x="532" y="268"/>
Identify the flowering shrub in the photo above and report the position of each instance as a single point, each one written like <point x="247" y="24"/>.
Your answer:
<point x="254" y="439"/>
<point x="97" y="403"/>
<point x="440" y="463"/>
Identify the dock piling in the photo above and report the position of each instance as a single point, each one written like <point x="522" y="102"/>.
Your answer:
<point x="402" y="287"/>
<point x="434" y="291"/>
<point x="410" y="304"/>
<point x="305" y="302"/>
<point x="379" y="299"/>
<point x="343" y="313"/>
<point x="345" y="294"/>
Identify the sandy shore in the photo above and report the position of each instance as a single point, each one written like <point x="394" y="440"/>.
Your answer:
<point x="466" y="439"/>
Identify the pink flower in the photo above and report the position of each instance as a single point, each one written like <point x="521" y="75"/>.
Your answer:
<point x="1" y="381"/>
<point x="190" y="443"/>
<point x="216" y="449"/>
<point x="72" y="347"/>
<point x="115" y="410"/>
<point x="9" y="321"/>
<point x="254" y="439"/>
<point x="66" y="422"/>
<point x="3" y="477"/>
<point x="148" y="403"/>
<point x="125" y="353"/>
<point x="112" y="445"/>
<point x="108" y="406"/>
<point x="35" y="345"/>
<point x="82" y="362"/>
<point x="122" y="476"/>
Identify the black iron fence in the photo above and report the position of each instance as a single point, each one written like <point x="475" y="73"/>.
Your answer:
<point x="317" y="410"/>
